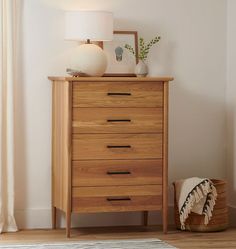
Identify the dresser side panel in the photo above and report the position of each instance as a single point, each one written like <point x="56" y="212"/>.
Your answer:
<point x="61" y="144"/>
<point x="165" y="156"/>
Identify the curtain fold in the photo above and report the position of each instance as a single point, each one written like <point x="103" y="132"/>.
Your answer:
<point x="8" y="39"/>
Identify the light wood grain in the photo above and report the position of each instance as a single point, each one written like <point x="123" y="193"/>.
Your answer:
<point x="117" y="191"/>
<point x="102" y="172"/>
<point x="111" y="79"/>
<point x="100" y="204"/>
<point x="142" y="146"/>
<point x="179" y="239"/>
<point x="118" y="120"/>
<point x="61" y="140"/>
<point x="135" y="94"/>
<point x="109" y="124"/>
<point x="165" y="158"/>
<point x="69" y="130"/>
<point x="100" y="199"/>
<point x="61" y="152"/>
<point x="53" y="119"/>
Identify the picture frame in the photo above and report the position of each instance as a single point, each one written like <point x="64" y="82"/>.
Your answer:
<point x="120" y="61"/>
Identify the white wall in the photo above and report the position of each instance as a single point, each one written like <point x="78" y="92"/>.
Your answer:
<point x="192" y="49"/>
<point x="231" y="101"/>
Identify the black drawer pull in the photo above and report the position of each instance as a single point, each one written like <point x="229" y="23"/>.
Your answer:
<point x="119" y="94"/>
<point x="118" y="146"/>
<point x="118" y="199"/>
<point x="118" y="173"/>
<point x="118" y="120"/>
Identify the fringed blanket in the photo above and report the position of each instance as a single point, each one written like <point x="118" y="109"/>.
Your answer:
<point x="197" y="195"/>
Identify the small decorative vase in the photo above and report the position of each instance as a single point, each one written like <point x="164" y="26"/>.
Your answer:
<point x="141" y="69"/>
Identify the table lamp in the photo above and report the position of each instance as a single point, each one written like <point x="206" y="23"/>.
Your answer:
<point x="89" y="26"/>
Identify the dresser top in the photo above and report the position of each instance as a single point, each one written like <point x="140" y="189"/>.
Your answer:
<point x="91" y="79"/>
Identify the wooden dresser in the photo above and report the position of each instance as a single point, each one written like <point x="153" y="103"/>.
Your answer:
<point x="109" y="145"/>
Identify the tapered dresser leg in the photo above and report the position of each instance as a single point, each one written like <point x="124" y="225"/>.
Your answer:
<point x="68" y="224"/>
<point x="165" y="220"/>
<point x="54" y="217"/>
<point x="145" y="218"/>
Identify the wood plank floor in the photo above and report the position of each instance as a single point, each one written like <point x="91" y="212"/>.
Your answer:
<point x="225" y="239"/>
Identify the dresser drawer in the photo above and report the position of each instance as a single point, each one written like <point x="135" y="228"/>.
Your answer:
<point x="117" y="94"/>
<point x="117" y="120"/>
<point x="115" y="173"/>
<point x="116" y="146"/>
<point x="115" y="199"/>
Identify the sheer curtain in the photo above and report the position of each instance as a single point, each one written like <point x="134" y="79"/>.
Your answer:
<point x="8" y="26"/>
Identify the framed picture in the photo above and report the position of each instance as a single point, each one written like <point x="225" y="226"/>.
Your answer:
<point x="120" y="61"/>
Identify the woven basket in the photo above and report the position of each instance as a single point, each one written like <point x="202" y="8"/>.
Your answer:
<point x="219" y="220"/>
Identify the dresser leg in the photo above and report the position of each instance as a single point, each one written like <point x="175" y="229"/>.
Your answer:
<point x="54" y="217"/>
<point x="145" y="218"/>
<point x="68" y="224"/>
<point x="165" y="220"/>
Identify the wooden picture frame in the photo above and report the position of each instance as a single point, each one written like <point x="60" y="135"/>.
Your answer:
<point x="120" y="61"/>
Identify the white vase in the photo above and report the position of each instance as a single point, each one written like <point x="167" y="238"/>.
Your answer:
<point x="141" y="69"/>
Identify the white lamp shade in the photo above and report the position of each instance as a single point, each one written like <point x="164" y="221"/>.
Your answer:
<point x="92" y="25"/>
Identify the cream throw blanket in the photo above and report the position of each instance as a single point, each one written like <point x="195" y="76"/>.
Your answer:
<point x="197" y="195"/>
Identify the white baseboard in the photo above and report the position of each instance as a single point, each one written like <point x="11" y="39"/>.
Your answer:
<point x="41" y="218"/>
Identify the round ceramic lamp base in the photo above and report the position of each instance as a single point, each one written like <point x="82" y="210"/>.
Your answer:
<point x="90" y="60"/>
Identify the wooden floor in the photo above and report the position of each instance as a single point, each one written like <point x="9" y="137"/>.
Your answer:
<point x="226" y="239"/>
